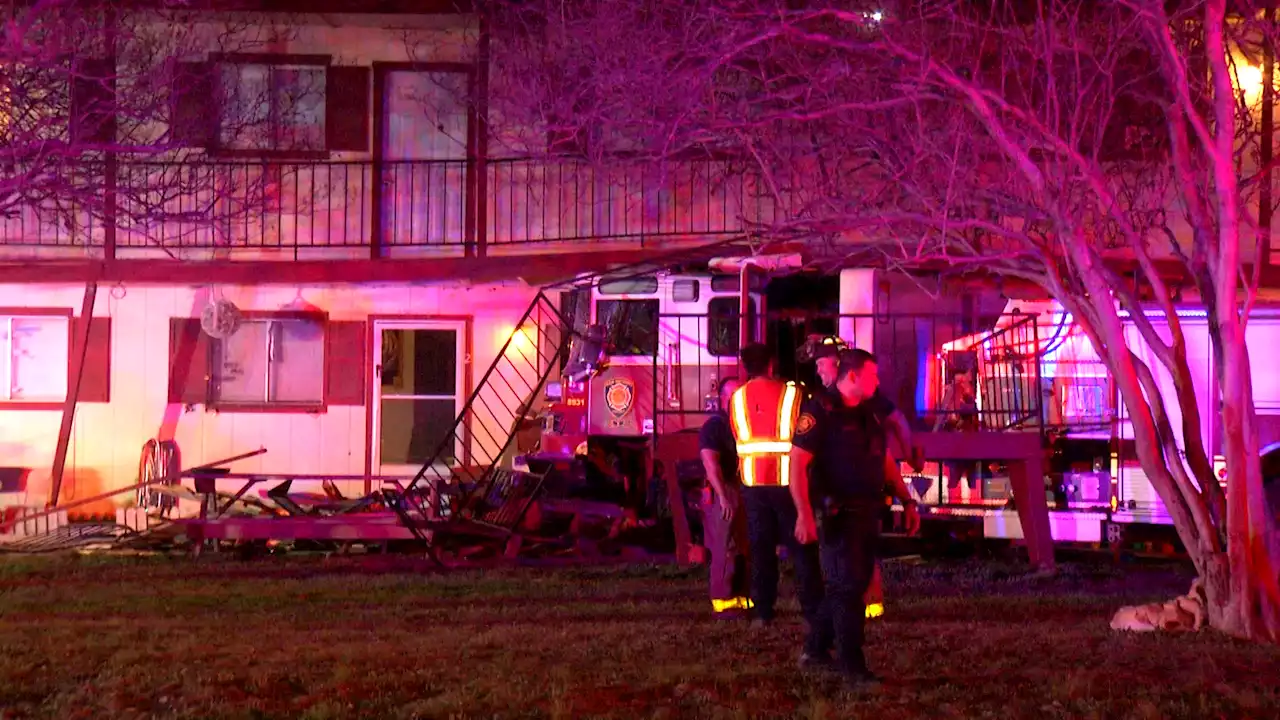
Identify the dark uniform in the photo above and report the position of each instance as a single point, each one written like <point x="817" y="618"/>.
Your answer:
<point x="847" y="489"/>
<point x="726" y="540"/>
<point x="828" y="399"/>
<point x="771" y="521"/>
<point x="762" y="413"/>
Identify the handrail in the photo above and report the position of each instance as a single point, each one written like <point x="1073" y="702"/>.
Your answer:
<point x="296" y="205"/>
<point x="129" y="488"/>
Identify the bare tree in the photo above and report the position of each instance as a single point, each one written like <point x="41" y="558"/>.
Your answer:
<point x="93" y="130"/>
<point x="1042" y="141"/>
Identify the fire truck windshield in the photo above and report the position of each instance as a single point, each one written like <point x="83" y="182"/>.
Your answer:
<point x="632" y="326"/>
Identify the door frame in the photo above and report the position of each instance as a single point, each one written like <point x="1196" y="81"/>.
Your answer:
<point x="373" y="391"/>
<point x="477" y="140"/>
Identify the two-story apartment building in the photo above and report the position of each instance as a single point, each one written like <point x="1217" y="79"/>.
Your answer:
<point x="326" y="184"/>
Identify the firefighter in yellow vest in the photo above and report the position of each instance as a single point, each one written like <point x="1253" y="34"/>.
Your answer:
<point x="763" y="414"/>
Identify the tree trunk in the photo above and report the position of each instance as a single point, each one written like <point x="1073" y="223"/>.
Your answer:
<point x="1239" y="584"/>
<point x="1250" y="606"/>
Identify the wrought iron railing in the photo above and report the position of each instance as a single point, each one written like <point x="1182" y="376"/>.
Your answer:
<point x="379" y="206"/>
<point x="919" y="356"/>
<point x="484" y="436"/>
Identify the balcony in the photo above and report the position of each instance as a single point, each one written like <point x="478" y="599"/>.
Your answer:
<point x="261" y="210"/>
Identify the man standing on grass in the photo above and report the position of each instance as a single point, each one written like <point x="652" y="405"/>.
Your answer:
<point x="724" y="523"/>
<point x="824" y="352"/>
<point x="847" y="448"/>
<point x="762" y="414"/>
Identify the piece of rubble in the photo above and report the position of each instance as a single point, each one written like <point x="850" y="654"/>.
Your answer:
<point x="1183" y="613"/>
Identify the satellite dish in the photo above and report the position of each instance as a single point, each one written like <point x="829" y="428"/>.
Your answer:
<point x="220" y="319"/>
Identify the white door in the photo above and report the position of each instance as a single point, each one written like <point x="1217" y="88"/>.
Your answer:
<point x="418" y="391"/>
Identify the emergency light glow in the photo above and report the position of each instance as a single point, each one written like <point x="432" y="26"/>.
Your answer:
<point x="1189" y="314"/>
<point x="520" y="338"/>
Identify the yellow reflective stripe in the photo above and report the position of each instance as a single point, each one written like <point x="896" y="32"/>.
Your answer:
<point x="785" y="419"/>
<point x="738" y="403"/>
<point x="749" y="473"/>
<point x="737" y="603"/>
<point x="763" y="447"/>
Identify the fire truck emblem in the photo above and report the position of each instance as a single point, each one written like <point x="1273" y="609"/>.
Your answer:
<point x="619" y="393"/>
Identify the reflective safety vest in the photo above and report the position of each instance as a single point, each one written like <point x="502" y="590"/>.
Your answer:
<point x="763" y="415"/>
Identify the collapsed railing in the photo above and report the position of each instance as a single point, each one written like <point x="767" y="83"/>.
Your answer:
<point x="469" y="483"/>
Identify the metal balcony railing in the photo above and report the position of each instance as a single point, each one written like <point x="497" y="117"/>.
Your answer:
<point x="378" y="206"/>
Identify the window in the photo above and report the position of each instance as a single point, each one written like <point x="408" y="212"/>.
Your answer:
<point x="684" y="291"/>
<point x="731" y="283"/>
<point x="271" y="106"/>
<point x="33" y="361"/>
<point x="629" y="286"/>
<point x="631" y="326"/>
<point x="271" y="362"/>
<point x="722" y="325"/>
<point x="196" y="364"/>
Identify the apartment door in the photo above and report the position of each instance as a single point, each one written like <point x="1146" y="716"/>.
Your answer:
<point x="418" y="392"/>
<point x="424" y="149"/>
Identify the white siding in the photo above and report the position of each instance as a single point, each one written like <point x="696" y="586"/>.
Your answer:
<point x="108" y="438"/>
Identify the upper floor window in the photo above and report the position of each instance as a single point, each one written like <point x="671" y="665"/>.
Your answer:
<point x="271" y="106"/>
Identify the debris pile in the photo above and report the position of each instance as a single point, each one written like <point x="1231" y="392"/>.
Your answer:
<point x="1186" y="612"/>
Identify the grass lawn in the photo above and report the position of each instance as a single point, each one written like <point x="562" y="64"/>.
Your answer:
<point x="97" y="637"/>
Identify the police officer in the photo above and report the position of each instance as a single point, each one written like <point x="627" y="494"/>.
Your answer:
<point x="824" y="352"/>
<point x="723" y="519"/>
<point x="847" y="447"/>
<point x="762" y="414"/>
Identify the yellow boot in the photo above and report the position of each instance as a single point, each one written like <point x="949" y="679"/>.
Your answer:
<point x="874" y="597"/>
<point x="728" y="604"/>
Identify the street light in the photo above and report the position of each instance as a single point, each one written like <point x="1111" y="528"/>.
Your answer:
<point x="1249" y="79"/>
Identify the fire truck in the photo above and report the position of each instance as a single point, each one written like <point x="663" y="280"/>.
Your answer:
<point x="1098" y="489"/>
<point x="642" y="377"/>
<point x="650" y="351"/>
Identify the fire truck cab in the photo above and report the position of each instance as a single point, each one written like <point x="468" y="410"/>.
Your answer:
<point x="648" y="355"/>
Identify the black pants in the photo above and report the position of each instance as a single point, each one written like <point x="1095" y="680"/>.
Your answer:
<point x="847" y="542"/>
<point x="771" y="521"/>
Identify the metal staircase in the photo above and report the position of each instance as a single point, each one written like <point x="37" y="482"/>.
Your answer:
<point x="1008" y="365"/>
<point x="482" y="440"/>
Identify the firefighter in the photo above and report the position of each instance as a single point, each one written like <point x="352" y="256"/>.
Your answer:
<point x="724" y="522"/>
<point x="824" y="352"/>
<point x="840" y="466"/>
<point x="762" y="415"/>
